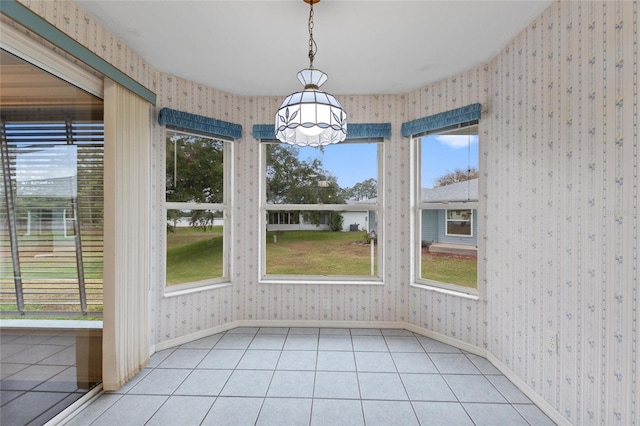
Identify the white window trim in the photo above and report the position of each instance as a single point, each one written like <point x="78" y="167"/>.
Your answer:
<point x="416" y="230"/>
<point x="226" y="207"/>
<point x="15" y="42"/>
<point x="265" y="208"/>
<point x="447" y="220"/>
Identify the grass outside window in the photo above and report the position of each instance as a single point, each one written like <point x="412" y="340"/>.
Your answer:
<point x="194" y="254"/>
<point x="450" y="269"/>
<point x="323" y="253"/>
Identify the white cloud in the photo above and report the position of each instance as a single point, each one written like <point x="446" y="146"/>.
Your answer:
<point x="456" y="141"/>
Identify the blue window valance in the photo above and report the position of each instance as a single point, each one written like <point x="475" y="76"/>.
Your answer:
<point x="442" y="120"/>
<point x="264" y="131"/>
<point x="199" y="123"/>
<point x="354" y="131"/>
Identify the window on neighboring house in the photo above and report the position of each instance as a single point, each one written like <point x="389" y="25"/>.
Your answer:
<point x="197" y="209"/>
<point x="447" y="195"/>
<point x="319" y="205"/>
<point x="284" y="218"/>
<point x="459" y="223"/>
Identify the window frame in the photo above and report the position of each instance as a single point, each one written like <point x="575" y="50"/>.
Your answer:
<point x="225" y="207"/>
<point x="291" y="218"/>
<point x="419" y="206"/>
<point x="268" y="208"/>
<point x="447" y="220"/>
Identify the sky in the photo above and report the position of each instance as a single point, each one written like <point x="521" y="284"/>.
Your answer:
<point x="445" y="153"/>
<point x="350" y="163"/>
<point x="353" y="163"/>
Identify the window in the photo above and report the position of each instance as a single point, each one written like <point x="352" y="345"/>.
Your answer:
<point x="284" y="218"/>
<point x="459" y="223"/>
<point x="51" y="193"/>
<point x="318" y="210"/>
<point x="197" y="207"/>
<point x="447" y="203"/>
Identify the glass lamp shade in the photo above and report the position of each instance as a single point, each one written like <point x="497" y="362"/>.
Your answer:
<point x="311" y="117"/>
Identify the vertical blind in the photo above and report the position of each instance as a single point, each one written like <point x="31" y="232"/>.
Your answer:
<point x="126" y="251"/>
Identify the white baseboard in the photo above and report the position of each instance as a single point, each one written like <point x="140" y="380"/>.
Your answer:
<point x="193" y="336"/>
<point x="321" y="324"/>
<point x="446" y="339"/>
<point x="543" y="405"/>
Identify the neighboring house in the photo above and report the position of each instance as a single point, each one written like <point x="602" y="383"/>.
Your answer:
<point x="439" y="225"/>
<point x="450" y="226"/>
<point x="294" y="221"/>
<point x="359" y="221"/>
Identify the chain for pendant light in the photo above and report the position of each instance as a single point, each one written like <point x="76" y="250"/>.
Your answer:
<point x="313" y="47"/>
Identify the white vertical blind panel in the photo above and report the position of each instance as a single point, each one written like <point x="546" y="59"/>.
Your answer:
<point x="127" y="212"/>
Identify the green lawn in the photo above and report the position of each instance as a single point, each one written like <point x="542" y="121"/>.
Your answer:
<point x="194" y="255"/>
<point x="319" y="253"/>
<point x="67" y="312"/>
<point x="450" y="270"/>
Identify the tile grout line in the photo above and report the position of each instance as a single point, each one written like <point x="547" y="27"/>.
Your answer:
<point x="273" y="370"/>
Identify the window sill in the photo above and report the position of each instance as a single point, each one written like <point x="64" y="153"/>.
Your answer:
<point x="320" y="281"/>
<point x="168" y="293"/>
<point x="471" y="295"/>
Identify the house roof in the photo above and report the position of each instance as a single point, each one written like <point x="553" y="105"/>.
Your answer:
<point x="459" y="191"/>
<point x="456" y="192"/>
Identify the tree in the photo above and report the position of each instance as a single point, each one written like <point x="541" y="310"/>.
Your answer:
<point x="458" y="175"/>
<point x="294" y="181"/>
<point x="365" y="190"/>
<point x="195" y="174"/>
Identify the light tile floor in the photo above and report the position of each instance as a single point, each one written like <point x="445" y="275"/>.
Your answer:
<point x="311" y="376"/>
<point x="38" y="376"/>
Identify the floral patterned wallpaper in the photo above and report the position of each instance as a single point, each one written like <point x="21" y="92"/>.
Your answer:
<point x="348" y="302"/>
<point x="179" y="316"/>
<point x="559" y="207"/>
<point x="86" y="30"/>
<point x="453" y="316"/>
<point x="561" y="162"/>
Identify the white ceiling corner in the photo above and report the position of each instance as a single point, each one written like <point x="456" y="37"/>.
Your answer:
<point x="366" y="47"/>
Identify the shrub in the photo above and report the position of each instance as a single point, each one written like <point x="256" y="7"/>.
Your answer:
<point x="335" y="222"/>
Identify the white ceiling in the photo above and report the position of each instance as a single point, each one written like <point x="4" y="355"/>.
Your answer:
<point x="366" y="47"/>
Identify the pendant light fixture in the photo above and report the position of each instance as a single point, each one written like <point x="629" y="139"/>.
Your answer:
<point x="311" y="117"/>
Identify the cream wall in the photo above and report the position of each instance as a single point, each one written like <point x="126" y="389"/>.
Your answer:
<point x="304" y="302"/>
<point x="85" y="29"/>
<point x="179" y="316"/>
<point x="559" y="203"/>
<point x="561" y="155"/>
<point x="453" y="316"/>
<point x="246" y="299"/>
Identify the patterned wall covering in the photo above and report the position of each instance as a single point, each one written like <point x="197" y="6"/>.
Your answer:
<point x="246" y="299"/>
<point x="457" y="317"/>
<point x="86" y="30"/>
<point x="183" y="315"/>
<point x="561" y="156"/>
<point x="559" y="203"/>
<point x="349" y="302"/>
